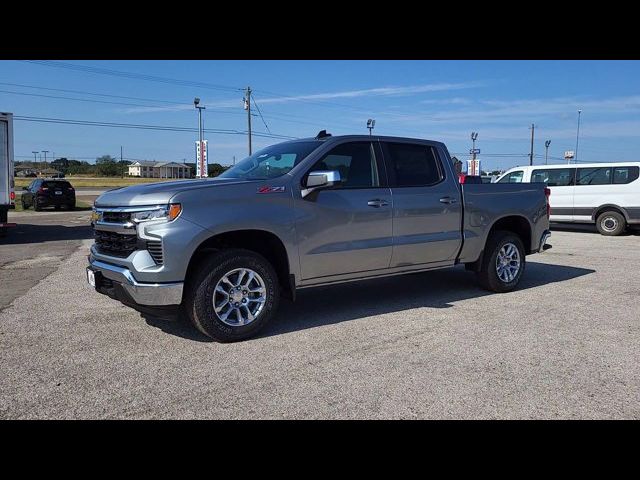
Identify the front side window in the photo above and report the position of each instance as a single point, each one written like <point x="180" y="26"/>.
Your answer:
<point x="513" y="177"/>
<point x="271" y="162"/>
<point x="594" y="176"/>
<point x="356" y="163"/>
<point x="414" y="165"/>
<point x="553" y="177"/>
<point x="623" y="175"/>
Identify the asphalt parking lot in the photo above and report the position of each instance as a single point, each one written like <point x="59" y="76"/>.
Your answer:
<point x="431" y="345"/>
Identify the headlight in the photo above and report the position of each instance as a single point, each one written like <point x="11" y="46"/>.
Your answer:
<point x="95" y="216"/>
<point x="168" y="213"/>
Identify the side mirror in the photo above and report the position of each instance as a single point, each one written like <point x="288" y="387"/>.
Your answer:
<point x="321" y="179"/>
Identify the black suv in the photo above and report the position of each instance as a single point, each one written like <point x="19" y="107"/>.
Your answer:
<point x="49" y="193"/>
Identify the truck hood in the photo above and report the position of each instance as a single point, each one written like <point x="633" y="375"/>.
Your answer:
<point x="156" y="193"/>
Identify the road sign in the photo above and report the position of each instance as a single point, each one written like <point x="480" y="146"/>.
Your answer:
<point x="473" y="167"/>
<point x="474" y="151"/>
<point x="569" y="154"/>
<point x="201" y="160"/>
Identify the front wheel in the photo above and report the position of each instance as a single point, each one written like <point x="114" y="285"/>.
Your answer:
<point x="611" y="224"/>
<point x="232" y="295"/>
<point x="503" y="262"/>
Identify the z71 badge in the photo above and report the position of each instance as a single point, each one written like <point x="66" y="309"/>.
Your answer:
<point x="270" y="189"/>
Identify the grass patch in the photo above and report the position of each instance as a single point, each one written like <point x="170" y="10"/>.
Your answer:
<point x="98" y="181"/>
<point x="80" y="207"/>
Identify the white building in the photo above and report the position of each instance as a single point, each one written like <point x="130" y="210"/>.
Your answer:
<point x="149" y="169"/>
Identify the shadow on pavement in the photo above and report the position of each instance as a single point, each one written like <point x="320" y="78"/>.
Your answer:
<point x="30" y="233"/>
<point x="339" y="303"/>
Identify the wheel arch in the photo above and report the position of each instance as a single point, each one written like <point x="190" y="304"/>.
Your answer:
<point x="263" y="242"/>
<point x="609" y="207"/>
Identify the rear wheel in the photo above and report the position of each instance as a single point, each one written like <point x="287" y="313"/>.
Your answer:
<point x="36" y="206"/>
<point x="232" y="295"/>
<point x="611" y="223"/>
<point x="24" y="205"/>
<point x="57" y="207"/>
<point x="503" y="262"/>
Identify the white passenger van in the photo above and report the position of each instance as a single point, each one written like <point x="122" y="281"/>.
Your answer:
<point x="607" y="194"/>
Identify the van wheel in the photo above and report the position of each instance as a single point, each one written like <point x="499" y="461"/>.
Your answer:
<point x="611" y="223"/>
<point x="232" y="295"/>
<point x="503" y="262"/>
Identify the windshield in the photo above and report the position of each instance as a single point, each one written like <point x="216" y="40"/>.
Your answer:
<point x="271" y="162"/>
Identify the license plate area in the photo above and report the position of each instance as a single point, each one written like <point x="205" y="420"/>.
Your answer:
<point x="58" y="192"/>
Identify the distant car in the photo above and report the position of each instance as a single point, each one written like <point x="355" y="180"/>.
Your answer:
<point x="487" y="179"/>
<point x="44" y="192"/>
<point x="58" y="175"/>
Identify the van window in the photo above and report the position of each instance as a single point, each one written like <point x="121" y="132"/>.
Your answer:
<point x="513" y="177"/>
<point x="625" y="174"/>
<point x="594" y="176"/>
<point x="553" y="177"/>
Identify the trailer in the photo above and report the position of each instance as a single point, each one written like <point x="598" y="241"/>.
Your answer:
<point x="7" y="182"/>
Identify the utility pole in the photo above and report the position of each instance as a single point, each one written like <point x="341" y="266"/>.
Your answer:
<point x="247" y="107"/>
<point x="546" y="150"/>
<point x="121" y="162"/>
<point x="577" y="137"/>
<point x="45" y="158"/>
<point x="35" y="159"/>
<point x="533" y="128"/>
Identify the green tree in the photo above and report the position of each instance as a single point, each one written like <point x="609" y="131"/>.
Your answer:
<point x="107" y="166"/>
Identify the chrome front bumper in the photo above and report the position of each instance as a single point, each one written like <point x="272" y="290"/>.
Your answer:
<point x="150" y="294"/>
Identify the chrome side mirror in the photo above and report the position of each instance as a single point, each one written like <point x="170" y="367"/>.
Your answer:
<point x="321" y="179"/>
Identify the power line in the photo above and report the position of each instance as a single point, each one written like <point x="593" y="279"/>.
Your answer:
<point x="156" y="100"/>
<point x="169" y="128"/>
<point x="136" y="76"/>
<point x="260" y="112"/>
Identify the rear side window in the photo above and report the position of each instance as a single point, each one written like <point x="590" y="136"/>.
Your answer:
<point x="594" y="176"/>
<point x="356" y="163"/>
<point x="513" y="177"/>
<point x="414" y="165"/>
<point x="553" y="177"/>
<point x="56" y="184"/>
<point x="625" y="174"/>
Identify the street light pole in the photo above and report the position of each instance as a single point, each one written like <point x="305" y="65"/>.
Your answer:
<point x="546" y="150"/>
<point x="247" y="107"/>
<point x="533" y="129"/>
<point x="577" y="137"/>
<point x="45" y="158"/>
<point x="196" y="102"/>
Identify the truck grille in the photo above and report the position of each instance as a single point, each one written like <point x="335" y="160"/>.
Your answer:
<point x="155" y="250"/>
<point x="115" y="244"/>
<point x="116" y="217"/>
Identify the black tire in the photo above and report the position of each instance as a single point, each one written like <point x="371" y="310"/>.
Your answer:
<point x="56" y="207"/>
<point x="200" y="287"/>
<point x="488" y="275"/>
<point x="611" y="223"/>
<point x="24" y="205"/>
<point x="71" y="206"/>
<point x="36" y="207"/>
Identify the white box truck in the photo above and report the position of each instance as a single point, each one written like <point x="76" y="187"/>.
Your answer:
<point x="7" y="193"/>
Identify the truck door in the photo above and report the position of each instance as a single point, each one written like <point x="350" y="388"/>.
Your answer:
<point x="427" y="215"/>
<point x="346" y="228"/>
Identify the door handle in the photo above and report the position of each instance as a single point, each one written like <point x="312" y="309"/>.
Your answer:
<point x="448" y="200"/>
<point x="377" y="203"/>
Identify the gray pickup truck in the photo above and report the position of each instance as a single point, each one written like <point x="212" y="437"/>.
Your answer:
<point x="304" y="213"/>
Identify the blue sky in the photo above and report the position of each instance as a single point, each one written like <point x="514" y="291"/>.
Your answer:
<point x="440" y="100"/>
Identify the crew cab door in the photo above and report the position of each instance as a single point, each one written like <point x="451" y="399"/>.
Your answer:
<point x="427" y="214"/>
<point x="346" y="229"/>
